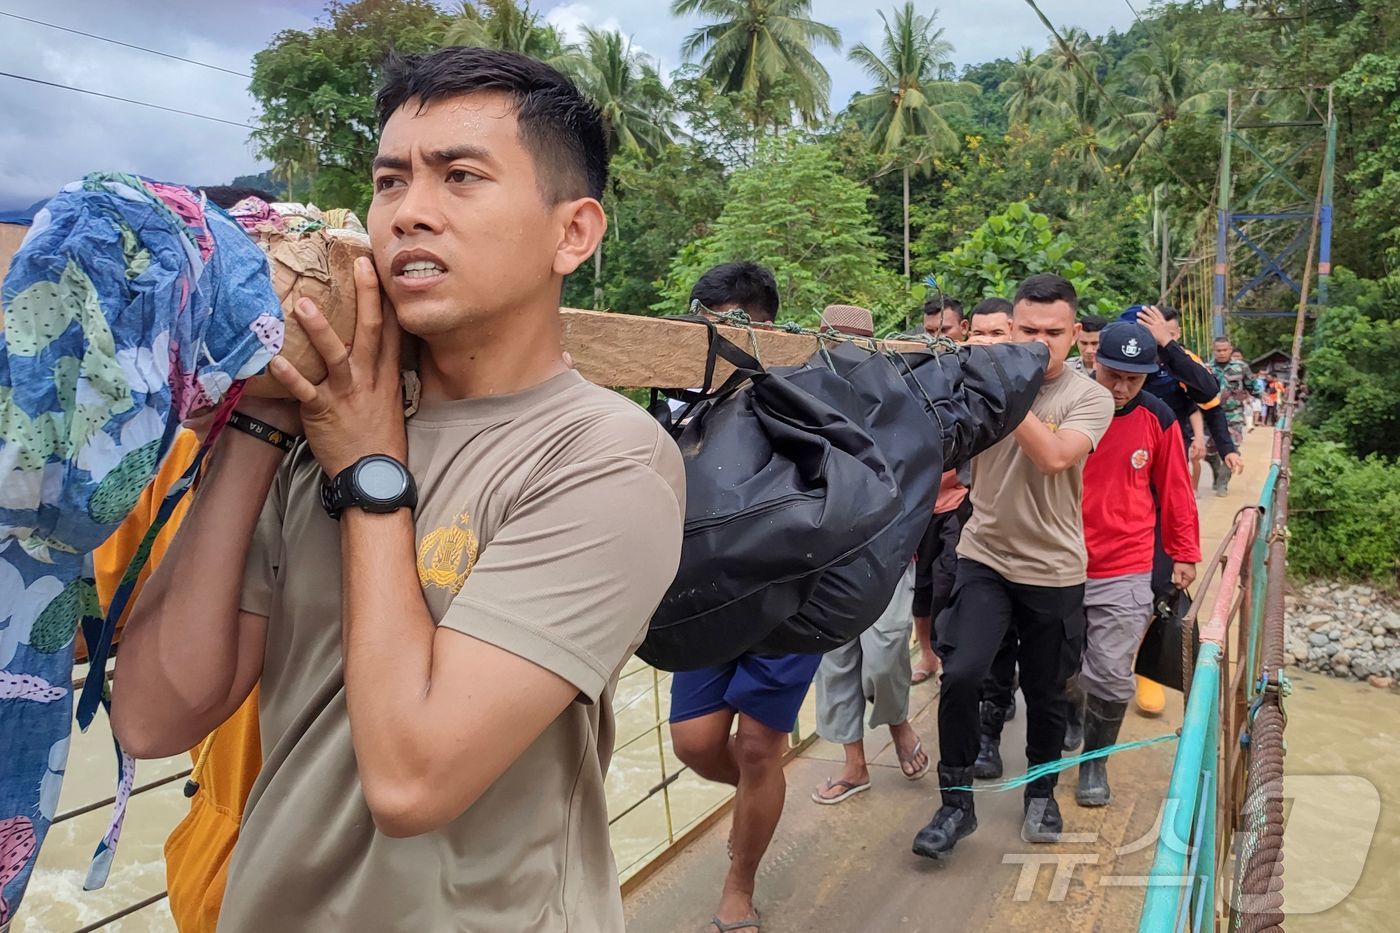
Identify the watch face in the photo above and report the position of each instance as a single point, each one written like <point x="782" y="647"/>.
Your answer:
<point x="380" y="479"/>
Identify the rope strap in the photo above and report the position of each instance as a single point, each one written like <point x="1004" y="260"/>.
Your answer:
<point x="1039" y="771"/>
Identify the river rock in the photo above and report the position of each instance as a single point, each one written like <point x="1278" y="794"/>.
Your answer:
<point x="1343" y="629"/>
<point x="1376" y="680"/>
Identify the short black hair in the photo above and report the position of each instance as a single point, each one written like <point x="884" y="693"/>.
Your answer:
<point x="1047" y="288"/>
<point x="990" y="306"/>
<point x="563" y="130"/>
<point x="1168" y="312"/>
<point x="227" y="196"/>
<point x="746" y="284"/>
<point x="1092" y="323"/>
<point x="1223" y="339"/>
<point x="940" y="303"/>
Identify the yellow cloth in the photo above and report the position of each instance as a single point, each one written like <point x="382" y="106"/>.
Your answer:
<point x="111" y="559"/>
<point x="197" y="852"/>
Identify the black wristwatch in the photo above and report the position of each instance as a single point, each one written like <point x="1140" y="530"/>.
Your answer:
<point x="377" y="483"/>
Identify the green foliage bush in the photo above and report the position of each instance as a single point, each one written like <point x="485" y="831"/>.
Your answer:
<point x="795" y="212"/>
<point x="1353" y="375"/>
<point x="1344" y="514"/>
<point x="1009" y="247"/>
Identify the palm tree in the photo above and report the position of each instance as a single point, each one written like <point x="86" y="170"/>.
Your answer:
<point x="500" y="24"/>
<point x="634" y="102"/>
<point x="627" y="88"/>
<point x="1030" y="89"/>
<point x="906" y="116"/>
<point x="754" y="46"/>
<point x="1161" y="82"/>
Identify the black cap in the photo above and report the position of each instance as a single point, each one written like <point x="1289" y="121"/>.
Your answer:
<point x="1128" y="347"/>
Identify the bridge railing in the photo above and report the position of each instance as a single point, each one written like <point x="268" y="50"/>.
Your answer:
<point x="1218" y="863"/>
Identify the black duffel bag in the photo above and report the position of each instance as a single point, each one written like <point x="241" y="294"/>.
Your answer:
<point x="869" y="388"/>
<point x="780" y="486"/>
<point x="976" y="395"/>
<point x="927" y="413"/>
<point x="1160" y="656"/>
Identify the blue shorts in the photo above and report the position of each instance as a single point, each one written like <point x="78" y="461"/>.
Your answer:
<point x="768" y="689"/>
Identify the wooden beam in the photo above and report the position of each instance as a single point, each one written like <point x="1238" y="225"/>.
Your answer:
<point x="633" y="351"/>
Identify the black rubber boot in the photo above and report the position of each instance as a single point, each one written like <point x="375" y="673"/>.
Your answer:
<point x="1074" y="726"/>
<point x="1043" y="822"/>
<point x="988" y="766"/>
<point x="1011" y="708"/>
<point x="952" y="821"/>
<point x="1102" y="720"/>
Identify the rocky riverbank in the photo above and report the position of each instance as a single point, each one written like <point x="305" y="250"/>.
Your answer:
<point x="1347" y="630"/>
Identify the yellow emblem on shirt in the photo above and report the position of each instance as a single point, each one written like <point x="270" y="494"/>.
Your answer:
<point x="1052" y="425"/>
<point x="447" y="554"/>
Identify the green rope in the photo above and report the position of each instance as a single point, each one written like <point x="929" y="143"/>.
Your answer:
<point x="1055" y="767"/>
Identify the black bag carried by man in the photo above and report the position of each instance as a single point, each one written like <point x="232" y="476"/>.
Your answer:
<point x="868" y="388"/>
<point x="780" y="486"/>
<point x="927" y="412"/>
<point x="1160" y="656"/>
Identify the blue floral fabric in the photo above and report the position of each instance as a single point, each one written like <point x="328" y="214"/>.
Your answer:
<point x="131" y="305"/>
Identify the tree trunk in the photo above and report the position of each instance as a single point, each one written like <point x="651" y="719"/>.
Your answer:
<point x="1166" y="250"/>
<point x="598" y="277"/>
<point x="906" y="223"/>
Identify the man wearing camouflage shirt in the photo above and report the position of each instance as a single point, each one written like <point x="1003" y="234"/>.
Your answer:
<point x="1236" y="395"/>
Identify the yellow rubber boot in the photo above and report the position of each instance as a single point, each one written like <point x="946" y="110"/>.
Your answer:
<point x="1151" y="699"/>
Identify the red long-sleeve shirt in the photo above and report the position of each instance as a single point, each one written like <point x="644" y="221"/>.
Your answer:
<point x="1139" y="463"/>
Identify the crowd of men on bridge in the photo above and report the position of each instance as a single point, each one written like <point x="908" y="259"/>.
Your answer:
<point x="1037" y="571"/>
<point x="402" y="638"/>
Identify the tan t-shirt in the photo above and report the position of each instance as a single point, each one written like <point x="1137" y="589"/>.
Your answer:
<point x="1025" y="525"/>
<point x="549" y="524"/>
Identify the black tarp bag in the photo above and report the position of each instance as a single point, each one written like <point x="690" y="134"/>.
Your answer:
<point x="867" y="387"/>
<point x="927" y="413"/>
<point x="977" y="394"/>
<point x="780" y="486"/>
<point x="1160" y="657"/>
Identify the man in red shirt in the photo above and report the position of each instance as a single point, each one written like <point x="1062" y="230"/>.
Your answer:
<point x="1139" y="462"/>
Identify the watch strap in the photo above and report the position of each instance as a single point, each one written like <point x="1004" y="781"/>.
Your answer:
<point x="262" y="431"/>
<point x="337" y="494"/>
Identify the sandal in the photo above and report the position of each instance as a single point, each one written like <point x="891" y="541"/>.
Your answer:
<point x="850" y="789"/>
<point x="920" y="675"/>
<point x="747" y="923"/>
<point x="918" y="750"/>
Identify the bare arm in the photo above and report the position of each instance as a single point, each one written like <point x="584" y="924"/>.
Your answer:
<point x="1198" y="436"/>
<point x="1051" y="451"/>
<point x="436" y="716"/>
<point x="189" y="657"/>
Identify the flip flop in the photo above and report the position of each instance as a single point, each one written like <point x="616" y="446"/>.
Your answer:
<point x="920" y="676"/>
<point x="851" y="789"/>
<point x="748" y="922"/>
<point x="918" y="747"/>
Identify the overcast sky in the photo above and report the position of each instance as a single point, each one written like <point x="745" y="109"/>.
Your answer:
<point x="51" y="136"/>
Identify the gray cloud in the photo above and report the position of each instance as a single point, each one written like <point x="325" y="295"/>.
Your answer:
<point x="51" y="136"/>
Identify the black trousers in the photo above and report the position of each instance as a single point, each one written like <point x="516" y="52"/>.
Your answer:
<point x="1049" y="626"/>
<point x="935" y="562"/>
<point x="1000" y="685"/>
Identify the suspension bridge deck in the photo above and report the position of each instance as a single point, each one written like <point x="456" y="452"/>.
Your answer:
<point x="849" y="867"/>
